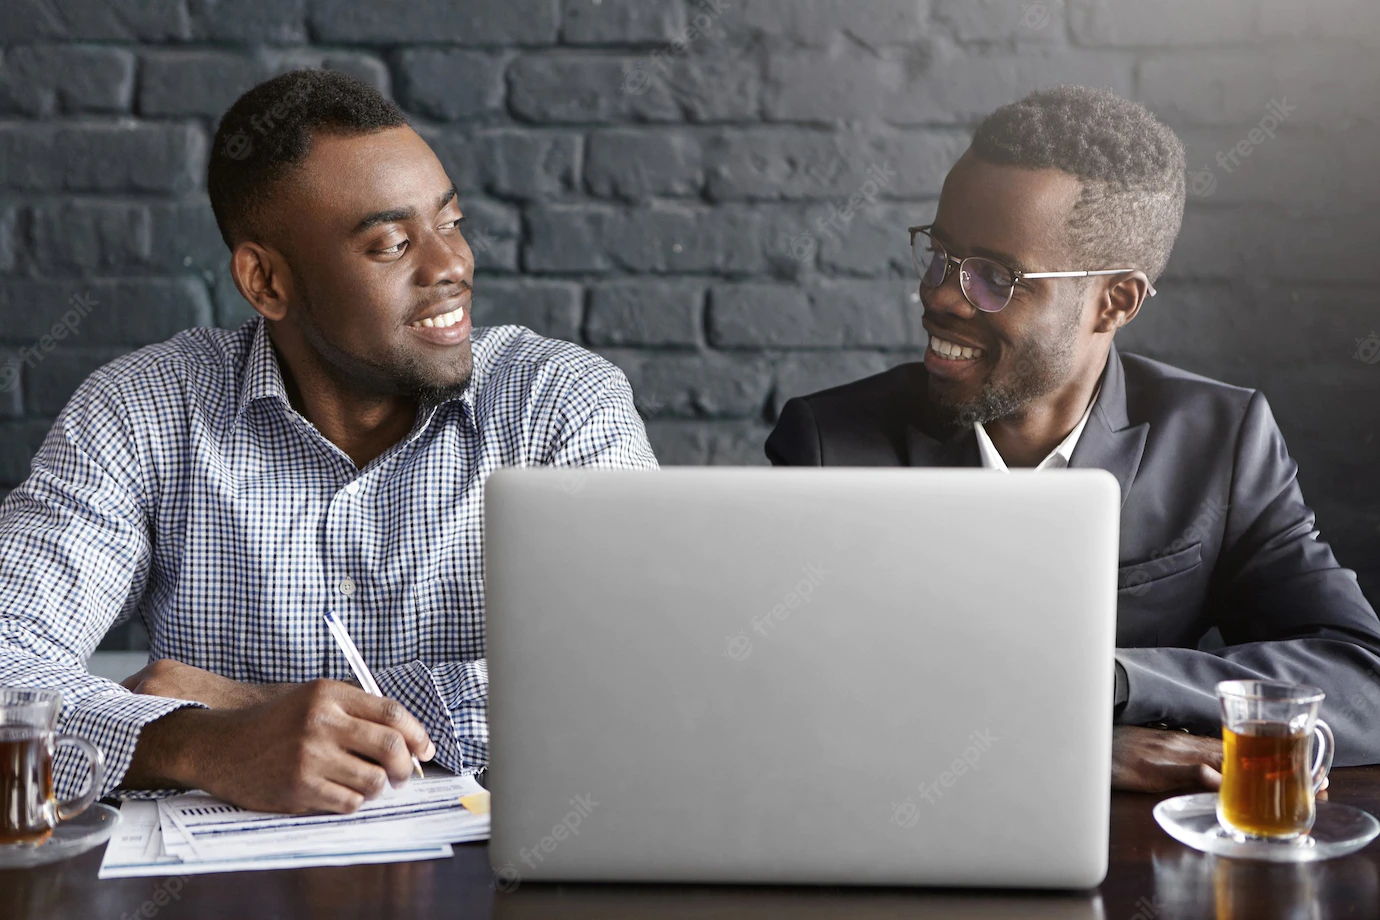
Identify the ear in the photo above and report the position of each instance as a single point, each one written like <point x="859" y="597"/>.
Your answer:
<point x="1119" y="300"/>
<point x="262" y="278"/>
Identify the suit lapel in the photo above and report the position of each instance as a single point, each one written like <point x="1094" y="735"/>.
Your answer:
<point x="1110" y="442"/>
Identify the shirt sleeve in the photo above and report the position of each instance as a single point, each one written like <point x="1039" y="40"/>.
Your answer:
<point x="75" y="556"/>
<point x="604" y="432"/>
<point x="451" y="698"/>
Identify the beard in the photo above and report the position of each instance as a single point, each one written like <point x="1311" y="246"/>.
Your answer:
<point x="430" y="395"/>
<point x="1037" y="367"/>
<point x="399" y="374"/>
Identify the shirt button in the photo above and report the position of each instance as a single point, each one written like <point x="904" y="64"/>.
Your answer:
<point x="353" y="488"/>
<point x="347" y="586"/>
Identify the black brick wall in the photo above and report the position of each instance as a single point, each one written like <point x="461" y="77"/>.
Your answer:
<point x="668" y="182"/>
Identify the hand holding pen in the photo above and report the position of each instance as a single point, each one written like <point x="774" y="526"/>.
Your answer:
<point x="360" y="669"/>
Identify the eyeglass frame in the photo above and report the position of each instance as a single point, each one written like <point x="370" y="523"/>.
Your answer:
<point x="1017" y="275"/>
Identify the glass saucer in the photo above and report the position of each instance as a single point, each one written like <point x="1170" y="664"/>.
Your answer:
<point x="89" y="829"/>
<point x="1339" y="830"/>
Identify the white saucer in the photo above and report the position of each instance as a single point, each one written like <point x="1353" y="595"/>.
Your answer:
<point x="1339" y="830"/>
<point x="89" y="829"/>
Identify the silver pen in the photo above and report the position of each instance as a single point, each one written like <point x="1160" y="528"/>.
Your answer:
<point x="362" y="672"/>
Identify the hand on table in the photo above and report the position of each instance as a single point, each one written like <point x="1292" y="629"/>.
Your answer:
<point x="1157" y="760"/>
<point x="320" y="746"/>
<point x="175" y="680"/>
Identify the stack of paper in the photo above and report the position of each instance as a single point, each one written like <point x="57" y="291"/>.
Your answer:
<point x="196" y="832"/>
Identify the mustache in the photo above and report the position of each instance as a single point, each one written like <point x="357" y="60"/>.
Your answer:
<point x="461" y="287"/>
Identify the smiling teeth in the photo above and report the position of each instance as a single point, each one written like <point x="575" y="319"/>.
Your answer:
<point x="952" y="350"/>
<point x="440" y="322"/>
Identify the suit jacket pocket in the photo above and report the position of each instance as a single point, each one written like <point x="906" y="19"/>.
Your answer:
<point x="1140" y="576"/>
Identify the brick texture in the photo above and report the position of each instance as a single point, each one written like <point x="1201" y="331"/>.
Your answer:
<point x="715" y="194"/>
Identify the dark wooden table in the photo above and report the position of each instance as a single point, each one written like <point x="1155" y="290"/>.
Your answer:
<point x="1151" y="878"/>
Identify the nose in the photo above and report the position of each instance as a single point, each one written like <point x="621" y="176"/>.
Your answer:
<point x="948" y="297"/>
<point x="445" y="259"/>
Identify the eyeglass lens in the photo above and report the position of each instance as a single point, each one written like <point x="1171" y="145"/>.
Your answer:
<point x="987" y="285"/>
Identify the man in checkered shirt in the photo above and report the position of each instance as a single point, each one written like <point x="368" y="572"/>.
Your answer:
<point x="230" y="488"/>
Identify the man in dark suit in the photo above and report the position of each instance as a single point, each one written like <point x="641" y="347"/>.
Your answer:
<point x="1050" y="232"/>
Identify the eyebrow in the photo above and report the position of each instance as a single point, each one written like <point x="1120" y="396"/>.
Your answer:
<point x="997" y="255"/>
<point x="396" y="215"/>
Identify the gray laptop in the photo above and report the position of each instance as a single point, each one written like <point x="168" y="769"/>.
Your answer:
<point x="841" y="676"/>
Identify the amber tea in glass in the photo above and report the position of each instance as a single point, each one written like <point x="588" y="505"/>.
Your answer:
<point x="29" y="808"/>
<point x="1270" y="775"/>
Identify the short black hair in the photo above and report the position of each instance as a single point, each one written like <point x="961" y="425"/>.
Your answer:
<point x="268" y="132"/>
<point x="1131" y="165"/>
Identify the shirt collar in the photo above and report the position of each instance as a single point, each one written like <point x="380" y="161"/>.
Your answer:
<point x="263" y="379"/>
<point x="1057" y="458"/>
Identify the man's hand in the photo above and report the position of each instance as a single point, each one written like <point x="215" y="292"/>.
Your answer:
<point x="321" y="746"/>
<point x="179" y="681"/>
<point x="1155" y="760"/>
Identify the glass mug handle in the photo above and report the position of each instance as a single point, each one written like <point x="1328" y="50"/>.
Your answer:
<point x="1322" y="761"/>
<point x="66" y="810"/>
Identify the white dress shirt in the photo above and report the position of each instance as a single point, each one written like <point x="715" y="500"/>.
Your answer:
<point x="1058" y="458"/>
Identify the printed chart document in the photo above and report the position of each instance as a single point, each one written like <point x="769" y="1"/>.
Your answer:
<point x="196" y="832"/>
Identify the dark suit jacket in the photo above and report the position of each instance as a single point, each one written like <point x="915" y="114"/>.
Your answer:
<point x="1214" y="532"/>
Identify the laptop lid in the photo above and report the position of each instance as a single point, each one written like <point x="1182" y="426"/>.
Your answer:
<point x="835" y="676"/>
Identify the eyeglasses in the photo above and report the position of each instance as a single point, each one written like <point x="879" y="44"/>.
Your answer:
<point x="986" y="284"/>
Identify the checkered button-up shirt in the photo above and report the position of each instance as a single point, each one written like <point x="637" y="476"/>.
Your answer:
<point x="180" y="486"/>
